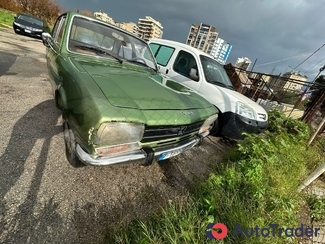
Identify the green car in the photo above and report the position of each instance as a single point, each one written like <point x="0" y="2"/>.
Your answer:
<point x="116" y="105"/>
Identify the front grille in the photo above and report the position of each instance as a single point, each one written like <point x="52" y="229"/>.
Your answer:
<point x="155" y="133"/>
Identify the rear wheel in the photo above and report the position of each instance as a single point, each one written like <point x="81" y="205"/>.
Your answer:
<point x="70" y="146"/>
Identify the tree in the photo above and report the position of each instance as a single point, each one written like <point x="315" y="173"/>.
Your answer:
<point x="316" y="89"/>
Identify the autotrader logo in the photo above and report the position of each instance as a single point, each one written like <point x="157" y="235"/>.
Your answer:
<point x="216" y="231"/>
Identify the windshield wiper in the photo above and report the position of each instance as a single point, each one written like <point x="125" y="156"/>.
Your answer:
<point x="99" y="51"/>
<point x="218" y="83"/>
<point x="141" y="63"/>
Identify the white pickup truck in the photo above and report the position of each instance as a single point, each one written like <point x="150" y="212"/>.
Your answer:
<point x="200" y="72"/>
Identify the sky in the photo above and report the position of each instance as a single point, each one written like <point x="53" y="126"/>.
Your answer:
<point x="277" y="34"/>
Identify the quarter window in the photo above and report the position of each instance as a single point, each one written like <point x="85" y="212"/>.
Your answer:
<point x="162" y="53"/>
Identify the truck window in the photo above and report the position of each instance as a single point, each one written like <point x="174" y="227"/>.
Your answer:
<point x="162" y="53"/>
<point x="185" y="64"/>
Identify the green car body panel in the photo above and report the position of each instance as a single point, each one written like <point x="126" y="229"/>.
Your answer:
<point x="93" y="89"/>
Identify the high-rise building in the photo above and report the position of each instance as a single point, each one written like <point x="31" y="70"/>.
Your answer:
<point x="222" y="50"/>
<point x="103" y="16"/>
<point x="130" y="27"/>
<point x="203" y="37"/>
<point x="243" y="63"/>
<point x="150" y="28"/>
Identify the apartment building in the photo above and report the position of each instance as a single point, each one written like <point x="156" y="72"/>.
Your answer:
<point x="294" y="81"/>
<point x="104" y="17"/>
<point x="243" y="63"/>
<point x="149" y="28"/>
<point x="203" y="37"/>
<point x="221" y="50"/>
<point x="130" y="27"/>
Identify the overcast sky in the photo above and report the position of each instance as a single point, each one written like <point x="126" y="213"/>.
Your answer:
<point x="266" y="30"/>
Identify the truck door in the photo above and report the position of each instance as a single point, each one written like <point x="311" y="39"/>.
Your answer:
<point x="180" y="66"/>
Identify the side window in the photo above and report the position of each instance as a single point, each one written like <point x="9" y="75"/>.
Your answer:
<point x="58" y="29"/>
<point x="186" y="65"/>
<point x="60" y="33"/>
<point x="162" y="53"/>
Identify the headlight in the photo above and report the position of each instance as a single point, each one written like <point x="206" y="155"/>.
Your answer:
<point x="22" y="26"/>
<point x="116" y="138"/>
<point x="245" y="111"/>
<point x="114" y="133"/>
<point x="207" y="123"/>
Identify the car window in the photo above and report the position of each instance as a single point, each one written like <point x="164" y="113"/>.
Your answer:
<point x="162" y="53"/>
<point x="186" y="65"/>
<point x="215" y="73"/>
<point x="60" y="31"/>
<point x="30" y="19"/>
<point x="91" y="37"/>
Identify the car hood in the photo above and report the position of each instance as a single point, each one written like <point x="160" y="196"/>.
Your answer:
<point x="131" y="86"/>
<point x="26" y="23"/>
<point x="242" y="98"/>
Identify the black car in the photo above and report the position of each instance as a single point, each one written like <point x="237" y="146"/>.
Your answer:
<point x="29" y="25"/>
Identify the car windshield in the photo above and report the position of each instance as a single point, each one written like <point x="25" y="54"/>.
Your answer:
<point x="31" y="20"/>
<point x="91" y="37"/>
<point x="214" y="72"/>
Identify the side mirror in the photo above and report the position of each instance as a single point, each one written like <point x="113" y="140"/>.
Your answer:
<point x="194" y="74"/>
<point x="15" y="17"/>
<point x="46" y="38"/>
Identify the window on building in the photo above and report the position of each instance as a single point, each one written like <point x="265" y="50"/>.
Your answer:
<point x="162" y="53"/>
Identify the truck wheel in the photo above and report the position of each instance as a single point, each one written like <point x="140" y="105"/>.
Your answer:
<point x="70" y="147"/>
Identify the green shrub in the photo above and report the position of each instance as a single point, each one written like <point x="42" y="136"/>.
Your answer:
<point x="255" y="186"/>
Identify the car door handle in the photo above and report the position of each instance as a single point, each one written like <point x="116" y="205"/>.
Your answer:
<point x="167" y="71"/>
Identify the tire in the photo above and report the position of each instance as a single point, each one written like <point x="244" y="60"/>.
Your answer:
<point x="70" y="146"/>
<point x="217" y="126"/>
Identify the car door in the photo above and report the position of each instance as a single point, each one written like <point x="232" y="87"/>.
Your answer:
<point x="53" y="52"/>
<point x="179" y="65"/>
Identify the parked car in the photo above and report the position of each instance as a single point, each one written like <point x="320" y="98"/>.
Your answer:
<point x="115" y="105"/>
<point x="29" y="25"/>
<point x="200" y="72"/>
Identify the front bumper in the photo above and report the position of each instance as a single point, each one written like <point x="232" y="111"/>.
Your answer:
<point x="147" y="155"/>
<point x="235" y="125"/>
<point x="27" y="31"/>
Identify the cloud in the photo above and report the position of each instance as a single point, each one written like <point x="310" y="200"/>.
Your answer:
<point x="262" y="29"/>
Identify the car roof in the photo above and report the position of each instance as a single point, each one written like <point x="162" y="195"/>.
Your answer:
<point x="180" y="45"/>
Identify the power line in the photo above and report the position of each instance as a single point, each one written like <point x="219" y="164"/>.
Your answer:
<point x="309" y="56"/>
<point x="314" y="66"/>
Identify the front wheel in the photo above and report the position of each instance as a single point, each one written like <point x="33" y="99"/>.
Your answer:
<point x="217" y="126"/>
<point x="70" y="146"/>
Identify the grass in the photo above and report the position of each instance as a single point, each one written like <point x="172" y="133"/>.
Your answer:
<point x="6" y="18"/>
<point x="255" y="186"/>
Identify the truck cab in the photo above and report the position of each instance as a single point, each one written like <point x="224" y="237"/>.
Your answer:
<point x="200" y="72"/>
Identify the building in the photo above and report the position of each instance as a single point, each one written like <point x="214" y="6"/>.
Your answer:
<point x="130" y="27"/>
<point x="203" y="37"/>
<point x="243" y="63"/>
<point x="294" y="81"/>
<point x="104" y="17"/>
<point x="150" y="28"/>
<point x="222" y="52"/>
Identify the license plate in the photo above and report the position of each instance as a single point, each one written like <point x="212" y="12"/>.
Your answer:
<point x="169" y="155"/>
<point x="28" y="31"/>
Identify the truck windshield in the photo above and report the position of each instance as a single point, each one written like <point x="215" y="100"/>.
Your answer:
<point x="214" y="72"/>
